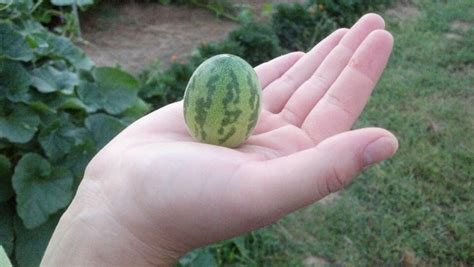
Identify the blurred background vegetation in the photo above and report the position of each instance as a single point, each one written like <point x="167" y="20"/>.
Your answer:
<point x="57" y="108"/>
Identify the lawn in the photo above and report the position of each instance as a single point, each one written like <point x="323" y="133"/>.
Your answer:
<point x="416" y="208"/>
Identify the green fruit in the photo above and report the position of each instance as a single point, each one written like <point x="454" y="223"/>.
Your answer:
<point x="222" y="101"/>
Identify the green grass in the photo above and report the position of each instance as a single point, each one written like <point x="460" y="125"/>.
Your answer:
<point x="420" y="202"/>
<point x="417" y="208"/>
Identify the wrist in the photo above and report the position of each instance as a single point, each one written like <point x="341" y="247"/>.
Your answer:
<point x="90" y="235"/>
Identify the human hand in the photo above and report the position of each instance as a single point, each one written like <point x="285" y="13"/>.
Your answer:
<point x="154" y="193"/>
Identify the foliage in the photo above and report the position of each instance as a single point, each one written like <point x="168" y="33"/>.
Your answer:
<point x="56" y="110"/>
<point x="247" y="250"/>
<point x="162" y="88"/>
<point x="346" y="12"/>
<point x="299" y="27"/>
<point x="258" y="42"/>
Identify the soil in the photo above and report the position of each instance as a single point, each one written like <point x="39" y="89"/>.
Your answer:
<point x="403" y="10"/>
<point x="135" y="35"/>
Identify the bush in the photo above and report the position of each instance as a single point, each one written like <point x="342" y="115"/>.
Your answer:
<point x="300" y="27"/>
<point x="346" y="12"/>
<point x="56" y="110"/>
<point x="258" y="42"/>
<point x="161" y="88"/>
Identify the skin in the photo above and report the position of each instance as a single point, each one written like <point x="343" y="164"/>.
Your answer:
<point x="153" y="193"/>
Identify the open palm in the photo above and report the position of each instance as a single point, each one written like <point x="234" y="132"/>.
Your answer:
<point x="164" y="187"/>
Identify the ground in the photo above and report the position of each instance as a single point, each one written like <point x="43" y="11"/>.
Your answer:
<point x="135" y="35"/>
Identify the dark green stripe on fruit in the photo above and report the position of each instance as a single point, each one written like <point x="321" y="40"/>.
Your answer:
<point x="227" y="136"/>
<point x="203" y="104"/>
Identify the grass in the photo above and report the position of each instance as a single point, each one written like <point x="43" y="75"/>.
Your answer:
<point x="417" y="208"/>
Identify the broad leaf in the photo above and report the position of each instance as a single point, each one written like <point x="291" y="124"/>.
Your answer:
<point x="57" y="47"/>
<point x="6" y="191"/>
<point x="64" y="48"/>
<point x="48" y="79"/>
<point x="24" y="6"/>
<point x="91" y="95"/>
<point x="72" y="103"/>
<point x="78" y="158"/>
<point x="118" y="89"/>
<point x="134" y="112"/>
<point x="20" y="126"/>
<point x="40" y="189"/>
<point x="103" y="128"/>
<point x="59" y="138"/>
<point x="4" y="260"/>
<point x="30" y="244"/>
<point x="6" y="227"/>
<point x="81" y="3"/>
<point x="15" y="81"/>
<point x="13" y="45"/>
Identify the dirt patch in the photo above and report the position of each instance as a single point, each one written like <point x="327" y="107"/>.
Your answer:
<point x="453" y="36"/>
<point x="460" y="26"/>
<point x="403" y="10"/>
<point x="457" y="29"/>
<point x="330" y="198"/>
<point x="313" y="261"/>
<point x="134" y="35"/>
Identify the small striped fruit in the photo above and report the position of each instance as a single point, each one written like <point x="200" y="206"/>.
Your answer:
<point x="222" y="101"/>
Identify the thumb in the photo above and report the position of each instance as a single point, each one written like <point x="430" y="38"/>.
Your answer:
<point x="282" y="185"/>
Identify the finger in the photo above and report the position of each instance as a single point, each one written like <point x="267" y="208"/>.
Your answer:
<point x="269" y="71"/>
<point x="276" y="187"/>
<point x="344" y="101"/>
<point x="306" y="97"/>
<point x="277" y="93"/>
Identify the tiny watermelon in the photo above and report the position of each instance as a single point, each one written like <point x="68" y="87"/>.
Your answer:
<point x="222" y="101"/>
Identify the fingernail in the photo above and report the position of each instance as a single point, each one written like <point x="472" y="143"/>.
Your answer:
<point x="380" y="149"/>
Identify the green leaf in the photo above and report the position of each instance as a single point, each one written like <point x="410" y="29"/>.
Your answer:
<point x="13" y="45"/>
<point x="59" y="138"/>
<point x="118" y="89"/>
<point x="58" y="47"/>
<point x="6" y="227"/>
<point x="40" y="189"/>
<point x="48" y="79"/>
<point x="4" y="260"/>
<point x="71" y="2"/>
<point x="23" y="6"/>
<point x="30" y="244"/>
<point x="73" y="103"/>
<point x="103" y="128"/>
<point x="64" y="48"/>
<point x="15" y="81"/>
<point x="20" y="126"/>
<point x="134" y="112"/>
<point x="6" y="191"/>
<point x="91" y="95"/>
<point x="78" y="158"/>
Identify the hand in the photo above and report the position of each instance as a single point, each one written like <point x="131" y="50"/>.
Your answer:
<point x="153" y="193"/>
